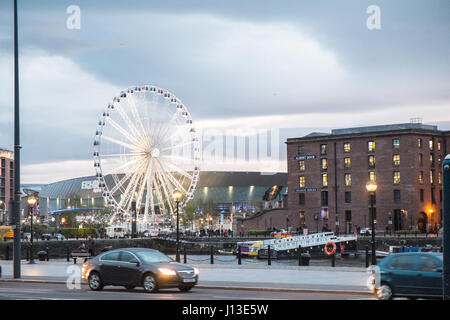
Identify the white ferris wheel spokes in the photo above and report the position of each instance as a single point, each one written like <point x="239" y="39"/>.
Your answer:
<point x="145" y="147"/>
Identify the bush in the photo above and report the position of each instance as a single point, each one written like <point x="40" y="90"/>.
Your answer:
<point x="74" y="232"/>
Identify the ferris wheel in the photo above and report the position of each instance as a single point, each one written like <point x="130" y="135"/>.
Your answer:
<point x="145" y="148"/>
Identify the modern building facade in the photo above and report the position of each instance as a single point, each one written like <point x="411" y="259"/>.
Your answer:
<point x="6" y="182"/>
<point x="328" y="173"/>
<point x="228" y="191"/>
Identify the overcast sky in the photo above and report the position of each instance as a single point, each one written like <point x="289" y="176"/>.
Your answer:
<point x="304" y="65"/>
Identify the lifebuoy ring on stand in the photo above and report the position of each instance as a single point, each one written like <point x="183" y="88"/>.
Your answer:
<point x="333" y="250"/>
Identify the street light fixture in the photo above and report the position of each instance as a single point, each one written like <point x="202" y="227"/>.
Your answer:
<point x="177" y="195"/>
<point x="31" y="203"/>
<point x="372" y="187"/>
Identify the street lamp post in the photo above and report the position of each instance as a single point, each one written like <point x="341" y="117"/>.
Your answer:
<point x="372" y="188"/>
<point x="31" y="202"/>
<point x="177" y="196"/>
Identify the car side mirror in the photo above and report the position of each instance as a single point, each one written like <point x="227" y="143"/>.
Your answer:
<point x="439" y="269"/>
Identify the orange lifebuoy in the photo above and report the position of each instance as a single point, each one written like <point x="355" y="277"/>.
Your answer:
<point x="330" y="243"/>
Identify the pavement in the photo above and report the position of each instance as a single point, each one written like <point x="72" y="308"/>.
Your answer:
<point x="314" y="279"/>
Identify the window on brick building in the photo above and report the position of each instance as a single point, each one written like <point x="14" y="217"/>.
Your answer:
<point x="301" y="182"/>
<point x="324" y="198"/>
<point x="371" y="161"/>
<point x="371" y="146"/>
<point x="347" y="163"/>
<point x="420" y="159"/>
<point x="396" y="160"/>
<point x="372" y="176"/>
<point x="422" y="195"/>
<point x="323" y="149"/>
<point x="396" y="143"/>
<point x="302" y="199"/>
<point x="421" y="177"/>
<point x="300" y="149"/>
<point x="347" y="147"/>
<point x="397" y="196"/>
<point x="348" y="179"/>
<point x="325" y="180"/>
<point x="348" y="197"/>
<point x="324" y="163"/>
<point x="301" y="165"/>
<point x="396" y="177"/>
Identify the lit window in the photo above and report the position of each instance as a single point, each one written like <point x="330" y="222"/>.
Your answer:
<point x="347" y="147"/>
<point x="371" y="161"/>
<point x="372" y="176"/>
<point x="439" y="146"/>
<point x="371" y="146"/>
<point x="432" y="159"/>
<point x="419" y="142"/>
<point x="348" y="179"/>
<point x="323" y="149"/>
<point x="396" y="177"/>
<point x="396" y="143"/>
<point x="302" y="182"/>
<point x="301" y="165"/>
<point x="396" y="159"/>
<point x="420" y="159"/>
<point x="431" y="145"/>
<point x="324" y="164"/>
<point x="421" y="177"/>
<point x="440" y="177"/>
<point x="431" y="177"/>
<point x="325" y="180"/>
<point x="347" y="163"/>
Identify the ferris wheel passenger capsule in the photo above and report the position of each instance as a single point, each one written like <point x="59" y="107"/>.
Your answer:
<point x="123" y="95"/>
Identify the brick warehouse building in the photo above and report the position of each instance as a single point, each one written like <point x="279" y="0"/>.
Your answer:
<point x="327" y="176"/>
<point x="6" y="182"/>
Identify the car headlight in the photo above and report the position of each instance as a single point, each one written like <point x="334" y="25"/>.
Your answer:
<point x="167" y="272"/>
<point x="196" y="271"/>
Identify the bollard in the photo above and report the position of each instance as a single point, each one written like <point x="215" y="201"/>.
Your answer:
<point x="300" y="260"/>
<point x="68" y="254"/>
<point x="367" y="256"/>
<point x="356" y="249"/>
<point x="184" y="255"/>
<point x="28" y="253"/>
<point x="269" y="258"/>
<point x="212" y="254"/>
<point x="239" y="255"/>
<point x="7" y="253"/>
<point x="333" y="260"/>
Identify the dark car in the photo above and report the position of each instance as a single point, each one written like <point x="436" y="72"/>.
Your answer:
<point x="133" y="267"/>
<point x="412" y="275"/>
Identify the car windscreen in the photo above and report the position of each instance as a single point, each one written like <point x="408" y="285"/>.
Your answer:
<point x="153" y="256"/>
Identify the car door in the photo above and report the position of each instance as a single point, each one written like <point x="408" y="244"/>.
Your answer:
<point x="129" y="272"/>
<point x="403" y="274"/>
<point x="109" y="266"/>
<point x="430" y="277"/>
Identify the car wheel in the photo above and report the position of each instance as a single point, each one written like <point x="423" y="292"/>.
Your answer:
<point x="185" y="288"/>
<point x="95" y="282"/>
<point x="149" y="283"/>
<point x="384" y="292"/>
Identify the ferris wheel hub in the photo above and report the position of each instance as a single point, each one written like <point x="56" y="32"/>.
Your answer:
<point x="155" y="153"/>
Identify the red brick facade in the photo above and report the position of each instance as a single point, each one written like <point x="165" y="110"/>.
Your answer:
<point x="399" y="204"/>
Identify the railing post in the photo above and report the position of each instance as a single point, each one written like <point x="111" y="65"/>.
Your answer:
<point x="333" y="260"/>
<point x="239" y="255"/>
<point x="300" y="258"/>
<point x="367" y="256"/>
<point x="7" y="252"/>
<point x="212" y="254"/>
<point x="185" y="255"/>
<point x="68" y="254"/>
<point x="269" y="256"/>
